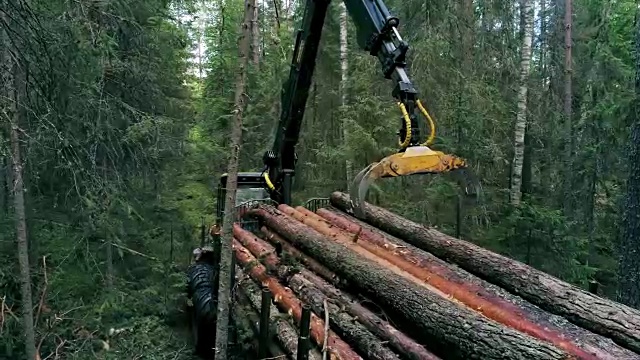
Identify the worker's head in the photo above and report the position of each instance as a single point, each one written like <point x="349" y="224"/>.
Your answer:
<point x="214" y="230"/>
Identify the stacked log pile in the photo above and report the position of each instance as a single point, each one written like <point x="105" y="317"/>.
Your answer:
<point x="389" y="288"/>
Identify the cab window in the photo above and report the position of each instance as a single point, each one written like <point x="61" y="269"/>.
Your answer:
<point x="247" y="194"/>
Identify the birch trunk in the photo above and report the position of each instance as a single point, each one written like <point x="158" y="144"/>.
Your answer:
<point x="521" y="117"/>
<point x="344" y="68"/>
<point x="224" y="288"/>
<point x="11" y="115"/>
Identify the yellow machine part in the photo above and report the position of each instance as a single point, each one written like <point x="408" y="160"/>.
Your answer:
<point x="416" y="160"/>
<point x="419" y="159"/>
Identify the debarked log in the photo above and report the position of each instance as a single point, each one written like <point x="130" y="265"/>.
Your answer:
<point x="445" y="326"/>
<point x="605" y="317"/>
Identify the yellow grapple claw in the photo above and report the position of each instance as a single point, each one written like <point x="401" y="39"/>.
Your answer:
<point x="414" y="160"/>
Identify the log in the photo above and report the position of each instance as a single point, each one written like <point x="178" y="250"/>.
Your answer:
<point x="346" y="326"/>
<point x="247" y="319"/>
<point x="396" y="339"/>
<point x="364" y="249"/>
<point x="602" y="347"/>
<point x="263" y="251"/>
<point x="450" y="283"/>
<point x="381" y="328"/>
<point x="605" y="317"/>
<point x="366" y="341"/>
<point x="450" y="329"/>
<point x="287" y="301"/>
<point x="310" y="263"/>
<point x="284" y="331"/>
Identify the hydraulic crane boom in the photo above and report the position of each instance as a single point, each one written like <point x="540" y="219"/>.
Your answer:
<point x="376" y="33"/>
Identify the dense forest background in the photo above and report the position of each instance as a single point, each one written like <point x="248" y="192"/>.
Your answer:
<point x="122" y="111"/>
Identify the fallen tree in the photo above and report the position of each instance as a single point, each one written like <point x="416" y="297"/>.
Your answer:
<point x="614" y="320"/>
<point x="453" y="330"/>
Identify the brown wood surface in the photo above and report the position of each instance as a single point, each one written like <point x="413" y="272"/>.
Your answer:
<point x="608" y="318"/>
<point x="288" y="302"/>
<point x="307" y="261"/>
<point x="454" y="330"/>
<point x="284" y="330"/>
<point x="396" y="339"/>
<point x="451" y="284"/>
<point x="363" y="340"/>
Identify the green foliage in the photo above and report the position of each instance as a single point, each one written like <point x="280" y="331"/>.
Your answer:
<point x="124" y="144"/>
<point x="109" y="164"/>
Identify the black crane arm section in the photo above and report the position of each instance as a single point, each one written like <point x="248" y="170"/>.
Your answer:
<point x="376" y="33"/>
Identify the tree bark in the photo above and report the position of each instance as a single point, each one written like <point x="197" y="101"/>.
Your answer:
<point x="255" y="36"/>
<point x="521" y="117"/>
<point x="224" y="291"/>
<point x="347" y="327"/>
<point x="264" y="252"/>
<point x="12" y="117"/>
<point x="608" y="318"/>
<point x="364" y="249"/>
<point x="248" y="319"/>
<point x="629" y="262"/>
<point x="4" y="189"/>
<point x="373" y="323"/>
<point x="284" y="331"/>
<point x="568" y="108"/>
<point x="109" y="272"/>
<point x="310" y="263"/>
<point x="453" y="330"/>
<point x="481" y="296"/>
<point x="396" y="339"/>
<point x="289" y="303"/>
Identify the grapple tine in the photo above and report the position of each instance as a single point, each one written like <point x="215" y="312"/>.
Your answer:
<point x="415" y="160"/>
<point x="469" y="184"/>
<point x="359" y="188"/>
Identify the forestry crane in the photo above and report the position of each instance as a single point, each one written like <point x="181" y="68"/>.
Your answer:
<point x="376" y="33"/>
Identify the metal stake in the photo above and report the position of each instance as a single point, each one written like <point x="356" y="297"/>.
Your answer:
<point x="303" y="339"/>
<point x="263" y="345"/>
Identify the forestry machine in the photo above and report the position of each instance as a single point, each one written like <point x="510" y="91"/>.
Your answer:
<point x="377" y="33"/>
